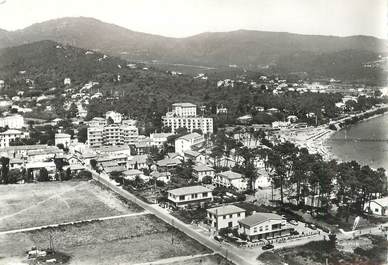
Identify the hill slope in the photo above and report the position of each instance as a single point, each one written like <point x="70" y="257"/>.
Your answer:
<point x="254" y="49"/>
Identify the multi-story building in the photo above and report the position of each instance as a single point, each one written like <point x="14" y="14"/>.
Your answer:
<point x="97" y="121"/>
<point x="62" y="138"/>
<point x="12" y="122"/>
<point x="158" y="139"/>
<point x="189" y="142"/>
<point x="113" y="134"/>
<point x="184" y="115"/>
<point x="95" y="136"/>
<point x="190" y="196"/>
<point x="115" y="116"/>
<point x="200" y="171"/>
<point x="263" y="226"/>
<point x="9" y="136"/>
<point x="226" y="216"/>
<point x="230" y="179"/>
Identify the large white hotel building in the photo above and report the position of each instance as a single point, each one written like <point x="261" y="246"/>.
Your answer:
<point x="184" y="115"/>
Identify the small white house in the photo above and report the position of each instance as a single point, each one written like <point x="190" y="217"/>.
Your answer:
<point x="192" y="195"/>
<point x="201" y="170"/>
<point x="225" y="216"/>
<point x="188" y="142"/>
<point x="377" y="206"/>
<point x="230" y="179"/>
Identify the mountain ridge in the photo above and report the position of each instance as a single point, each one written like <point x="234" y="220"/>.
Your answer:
<point x="246" y="48"/>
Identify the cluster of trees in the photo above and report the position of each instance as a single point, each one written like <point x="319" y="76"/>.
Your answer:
<point x="298" y="174"/>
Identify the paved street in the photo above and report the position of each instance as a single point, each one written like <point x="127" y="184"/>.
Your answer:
<point x="230" y="253"/>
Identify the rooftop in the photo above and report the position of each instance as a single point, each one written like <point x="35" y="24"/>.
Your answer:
<point x="225" y="210"/>
<point x="382" y="201"/>
<point x="184" y="104"/>
<point x="168" y="162"/>
<point x="258" y="218"/>
<point x="191" y="153"/>
<point x="202" y="167"/>
<point x="189" y="190"/>
<point x="191" y="136"/>
<point x="132" y="172"/>
<point x="115" y="169"/>
<point x="230" y="175"/>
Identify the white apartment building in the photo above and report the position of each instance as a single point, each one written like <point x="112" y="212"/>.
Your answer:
<point x="13" y="121"/>
<point x="9" y="136"/>
<point x="188" y="142"/>
<point x="95" y="136"/>
<point x="193" y="195"/>
<point x="184" y="109"/>
<point x="184" y="115"/>
<point x="263" y="225"/>
<point x="113" y="134"/>
<point x="115" y="116"/>
<point x="97" y="121"/>
<point x="62" y="138"/>
<point x="230" y="179"/>
<point x="226" y="216"/>
<point x="158" y="139"/>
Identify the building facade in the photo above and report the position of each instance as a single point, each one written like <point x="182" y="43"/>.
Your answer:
<point x="230" y="179"/>
<point x="225" y="216"/>
<point x="184" y="115"/>
<point x="188" y="142"/>
<point x="263" y="226"/>
<point x="190" y="196"/>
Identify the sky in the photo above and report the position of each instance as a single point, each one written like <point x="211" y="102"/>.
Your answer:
<point x="182" y="18"/>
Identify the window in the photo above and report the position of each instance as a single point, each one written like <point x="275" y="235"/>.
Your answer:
<point x="182" y="197"/>
<point x="230" y="216"/>
<point x="255" y="230"/>
<point x="194" y="196"/>
<point x="204" y="194"/>
<point x="238" y="215"/>
<point x="376" y="210"/>
<point x="261" y="229"/>
<point x="266" y="227"/>
<point x="224" y="216"/>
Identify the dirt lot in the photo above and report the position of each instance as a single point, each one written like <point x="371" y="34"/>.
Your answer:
<point x="128" y="240"/>
<point x="30" y="205"/>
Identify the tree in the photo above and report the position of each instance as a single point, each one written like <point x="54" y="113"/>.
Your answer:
<point x="93" y="164"/>
<point x="110" y="121"/>
<point x="43" y="175"/>
<point x="82" y="134"/>
<point x="73" y="111"/>
<point x="207" y="180"/>
<point x="14" y="176"/>
<point x="4" y="161"/>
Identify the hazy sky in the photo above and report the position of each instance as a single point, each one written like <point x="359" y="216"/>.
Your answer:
<point x="179" y="18"/>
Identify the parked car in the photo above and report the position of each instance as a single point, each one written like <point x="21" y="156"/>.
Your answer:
<point x="293" y="222"/>
<point x="268" y="246"/>
<point x="311" y="226"/>
<point x="219" y="238"/>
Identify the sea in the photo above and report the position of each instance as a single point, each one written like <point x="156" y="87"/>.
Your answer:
<point x="366" y="142"/>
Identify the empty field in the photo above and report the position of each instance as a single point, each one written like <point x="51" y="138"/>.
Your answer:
<point x="30" y="205"/>
<point x="128" y="240"/>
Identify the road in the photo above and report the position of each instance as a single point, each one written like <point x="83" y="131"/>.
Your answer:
<point x="230" y="253"/>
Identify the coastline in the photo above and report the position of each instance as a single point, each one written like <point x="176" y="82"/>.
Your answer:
<point x="315" y="139"/>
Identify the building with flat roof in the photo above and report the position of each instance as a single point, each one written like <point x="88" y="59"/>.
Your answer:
<point x="62" y="138"/>
<point x="10" y="135"/>
<point x="230" y="179"/>
<point x="189" y="142"/>
<point x="115" y="116"/>
<point x="113" y="134"/>
<point x="184" y="115"/>
<point x="263" y="226"/>
<point x="190" y="196"/>
<point x="226" y="216"/>
<point x="13" y="121"/>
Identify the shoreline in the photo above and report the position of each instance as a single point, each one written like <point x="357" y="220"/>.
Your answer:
<point x="315" y="139"/>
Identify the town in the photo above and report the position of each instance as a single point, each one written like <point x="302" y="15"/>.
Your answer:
<point x="240" y="189"/>
<point x="209" y="140"/>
